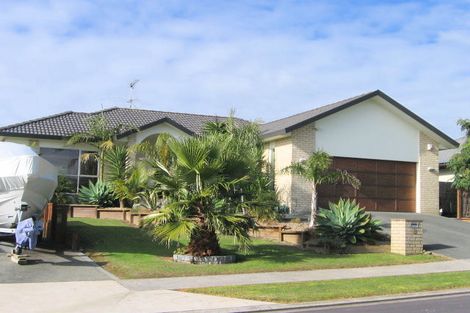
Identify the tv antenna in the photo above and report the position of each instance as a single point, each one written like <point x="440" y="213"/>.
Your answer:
<point x="131" y="92"/>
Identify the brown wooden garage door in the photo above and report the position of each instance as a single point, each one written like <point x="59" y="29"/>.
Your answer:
<point x="385" y="185"/>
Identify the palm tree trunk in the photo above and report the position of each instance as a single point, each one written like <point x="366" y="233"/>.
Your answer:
<point x="313" y="209"/>
<point x="203" y="243"/>
<point x="121" y="203"/>
<point x="101" y="166"/>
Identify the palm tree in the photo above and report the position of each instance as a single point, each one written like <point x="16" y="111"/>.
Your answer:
<point x="209" y="189"/>
<point x="317" y="170"/>
<point x="99" y="135"/>
<point x="126" y="178"/>
<point x="201" y="207"/>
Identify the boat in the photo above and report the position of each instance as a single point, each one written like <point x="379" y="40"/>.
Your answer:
<point x="27" y="183"/>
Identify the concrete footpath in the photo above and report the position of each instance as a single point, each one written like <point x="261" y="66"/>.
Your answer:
<point x="297" y="276"/>
<point x="109" y="296"/>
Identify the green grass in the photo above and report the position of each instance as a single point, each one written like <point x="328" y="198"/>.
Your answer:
<point x="129" y="252"/>
<point x="341" y="289"/>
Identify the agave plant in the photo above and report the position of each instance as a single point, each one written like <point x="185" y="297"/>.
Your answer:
<point x="345" y="223"/>
<point x="99" y="193"/>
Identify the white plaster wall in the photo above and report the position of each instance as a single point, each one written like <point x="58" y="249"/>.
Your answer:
<point x="368" y="130"/>
<point x="446" y="176"/>
<point x="157" y="129"/>
<point x="35" y="144"/>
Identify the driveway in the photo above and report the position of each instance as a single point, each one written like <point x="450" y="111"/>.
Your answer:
<point x="48" y="265"/>
<point x="447" y="236"/>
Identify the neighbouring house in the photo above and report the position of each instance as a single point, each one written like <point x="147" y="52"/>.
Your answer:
<point x="49" y="135"/>
<point x="448" y="194"/>
<point x="392" y="151"/>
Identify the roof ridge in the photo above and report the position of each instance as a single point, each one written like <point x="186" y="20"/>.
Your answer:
<point x="40" y="119"/>
<point x="179" y="113"/>
<point x="324" y="106"/>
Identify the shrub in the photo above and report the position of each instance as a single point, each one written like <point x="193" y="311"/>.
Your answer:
<point x="99" y="193"/>
<point x="345" y="223"/>
<point x="63" y="192"/>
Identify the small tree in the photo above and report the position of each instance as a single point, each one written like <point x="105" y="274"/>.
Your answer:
<point x="99" y="135"/>
<point x="459" y="164"/>
<point x="317" y="170"/>
<point x="126" y="179"/>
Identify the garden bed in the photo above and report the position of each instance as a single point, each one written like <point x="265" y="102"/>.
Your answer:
<point x="214" y="259"/>
<point x="83" y="210"/>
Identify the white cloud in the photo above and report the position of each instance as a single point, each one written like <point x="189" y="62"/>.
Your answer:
<point x="266" y="61"/>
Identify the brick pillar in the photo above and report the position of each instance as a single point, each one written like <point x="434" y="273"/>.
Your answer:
<point x="303" y="145"/>
<point x="406" y="237"/>
<point x="427" y="184"/>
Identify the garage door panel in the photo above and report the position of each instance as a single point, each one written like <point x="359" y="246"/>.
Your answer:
<point x="345" y="191"/>
<point x="404" y="193"/>
<point x="367" y="192"/>
<point x="406" y="180"/>
<point x="325" y="202"/>
<point x="385" y="185"/>
<point x="368" y="204"/>
<point x="326" y="190"/>
<point x="386" y="192"/>
<point x="406" y="168"/>
<point x="386" y="167"/>
<point x="367" y="178"/>
<point x="345" y="163"/>
<point x="406" y="206"/>
<point x="366" y="166"/>
<point x="386" y="205"/>
<point x="387" y="180"/>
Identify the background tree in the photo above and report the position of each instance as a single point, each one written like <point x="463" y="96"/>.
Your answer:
<point x="318" y="171"/>
<point x="459" y="164"/>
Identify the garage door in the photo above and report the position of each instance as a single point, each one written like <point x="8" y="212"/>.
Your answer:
<point x="385" y="185"/>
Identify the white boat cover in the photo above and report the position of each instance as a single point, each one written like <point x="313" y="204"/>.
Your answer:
<point x="25" y="177"/>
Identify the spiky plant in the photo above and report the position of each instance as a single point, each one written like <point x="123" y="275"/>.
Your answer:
<point x="99" y="193"/>
<point x="345" y="223"/>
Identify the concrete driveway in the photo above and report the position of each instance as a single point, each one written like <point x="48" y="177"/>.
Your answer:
<point x="48" y="265"/>
<point x="447" y="236"/>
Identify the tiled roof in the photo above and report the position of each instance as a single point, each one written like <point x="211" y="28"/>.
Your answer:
<point x="65" y="124"/>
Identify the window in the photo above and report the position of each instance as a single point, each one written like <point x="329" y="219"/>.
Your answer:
<point x="71" y="165"/>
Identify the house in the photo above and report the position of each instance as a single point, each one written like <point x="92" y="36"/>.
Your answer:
<point x="391" y="150"/>
<point x="49" y="135"/>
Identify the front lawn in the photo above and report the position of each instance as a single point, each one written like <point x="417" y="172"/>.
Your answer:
<point x="129" y="252"/>
<point x="341" y="289"/>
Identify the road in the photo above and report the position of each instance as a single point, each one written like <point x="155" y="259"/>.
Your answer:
<point x="437" y="304"/>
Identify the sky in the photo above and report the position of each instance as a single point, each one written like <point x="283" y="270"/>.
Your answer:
<point x="265" y="59"/>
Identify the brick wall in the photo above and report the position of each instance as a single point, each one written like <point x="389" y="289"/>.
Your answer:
<point x="303" y="145"/>
<point x="427" y="184"/>
<point x="293" y="190"/>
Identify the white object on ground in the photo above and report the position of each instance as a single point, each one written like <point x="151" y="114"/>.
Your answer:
<point x="25" y="178"/>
